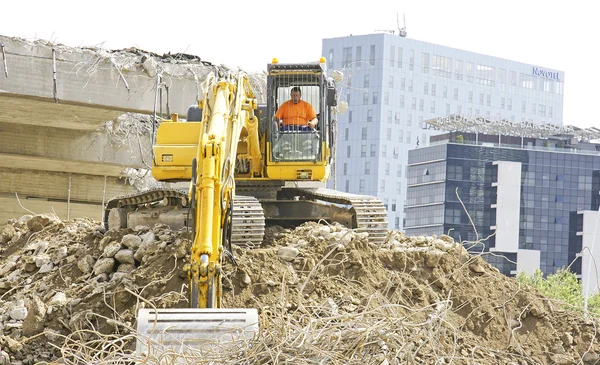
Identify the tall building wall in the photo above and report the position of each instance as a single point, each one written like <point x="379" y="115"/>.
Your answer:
<point x="392" y="84"/>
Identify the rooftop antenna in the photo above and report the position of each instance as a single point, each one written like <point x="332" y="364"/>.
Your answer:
<point x="401" y="31"/>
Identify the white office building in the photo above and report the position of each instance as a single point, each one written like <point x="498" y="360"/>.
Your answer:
<point x="393" y="83"/>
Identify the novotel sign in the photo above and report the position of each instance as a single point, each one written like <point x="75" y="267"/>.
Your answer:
<point x="545" y="73"/>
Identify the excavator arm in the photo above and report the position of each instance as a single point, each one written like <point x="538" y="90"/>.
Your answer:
<point x="229" y="104"/>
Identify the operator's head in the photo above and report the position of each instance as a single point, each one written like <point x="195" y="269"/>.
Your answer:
<point x="296" y="94"/>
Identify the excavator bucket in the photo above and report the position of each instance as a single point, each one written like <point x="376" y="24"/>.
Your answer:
<point x="190" y="331"/>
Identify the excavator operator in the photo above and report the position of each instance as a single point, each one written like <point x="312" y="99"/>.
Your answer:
<point x="296" y="114"/>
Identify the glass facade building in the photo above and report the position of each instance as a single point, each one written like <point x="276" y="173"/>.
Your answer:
<point x="524" y="201"/>
<point x="393" y="84"/>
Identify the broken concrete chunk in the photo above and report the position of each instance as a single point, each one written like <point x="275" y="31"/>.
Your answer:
<point x="58" y="300"/>
<point x="34" y="322"/>
<point x="18" y="313"/>
<point x="40" y="221"/>
<point x="126" y="268"/>
<point x="104" y="266"/>
<point x="86" y="264"/>
<point x="288" y="253"/>
<point x="47" y="267"/>
<point x="6" y="234"/>
<point x="125" y="257"/>
<point x="131" y="241"/>
<point x="112" y="249"/>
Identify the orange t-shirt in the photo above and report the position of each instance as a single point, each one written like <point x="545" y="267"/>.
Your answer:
<point x="295" y="114"/>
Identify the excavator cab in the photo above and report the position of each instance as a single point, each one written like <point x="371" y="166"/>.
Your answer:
<point x="295" y="151"/>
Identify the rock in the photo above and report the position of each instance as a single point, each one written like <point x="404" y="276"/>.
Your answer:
<point x="432" y="258"/>
<point x="147" y="238"/>
<point x="42" y="260"/>
<point x="58" y="300"/>
<point x="118" y="276"/>
<point x="34" y="322"/>
<point x="104" y="266"/>
<point x="46" y="268"/>
<point x="141" y="229"/>
<point x="86" y="264"/>
<point x="590" y="358"/>
<point x="131" y="241"/>
<point x="14" y="277"/>
<point x="8" y="267"/>
<point x="446" y="238"/>
<point x="288" y="253"/>
<point x="60" y="254"/>
<point x="41" y="247"/>
<point x="125" y="257"/>
<point x="18" y="313"/>
<point x="112" y="249"/>
<point x="126" y="268"/>
<point x="40" y="221"/>
<point x="104" y="242"/>
<point x="567" y="339"/>
<point x="180" y="249"/>
<point x="4" y="358"/>
<point x="13" y="345"/>
<point x="6" y="234"/>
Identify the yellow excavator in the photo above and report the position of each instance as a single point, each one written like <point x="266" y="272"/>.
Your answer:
<point x="244" y="172"/>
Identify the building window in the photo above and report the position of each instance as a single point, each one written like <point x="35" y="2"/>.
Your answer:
<point x="410" y="85"/>
<point x="363" y="150"/>
<point x="402" y="83"/>
<point x="399" y="171"/>
<point x="397" y="223"/>
<point x="455" y="93"/>
<point x="411" y="60"/>
<point x="391" y="81"/>
<point x="382" y="186"/>
<point x="480" y="98"/>
<point x="542" y="110"/>
<point x="522" y="107"/>
<point x="398" y="188"/>
<point x="346" y="56"/>
<point x="387" y="168"/>
<point x="400" y="135"/>
<point x="401" y="101"/>
<point x="361" y="186"/>
<point x="445" y="91"/>
<point x="392" y="55"/>
<point x="396" y="152"/>
<point x="400" y="54"/>
<point x="345" y="168"/>
<point x="397" y="118"/>
<point x="425" y="88"/>
<point x="513" y="77"/>
<point x="432" y="107"/>
<point x="372" y="55"/>
<point x="348" y="151"/>
<point x="358" y="56"/>
<point x="373" y="150"/>
<point x="442" y="66"/>
<point x="407" y="136"/>
<point x="488" y="100"/>
<point x="365" y="97"/>
<point x="393" y="205"/>
<point x="346" y="133"/>
<point x="421" y="102"/>
<point x="383" y="151"/>
<point x="433" y="90"/>
<point x="375" y="97"/>
<point x="369" y="115"/>
<point x="528" y="81"/>
<point x="347" y="186"/>
<point x="348" y="97"/>
<point x="367" y="168"/>
<point x="486" y="75"/>
<point x="350" y="116"/>
<point x="389" y="134"/>
<point x="389" y="116"/>
<point x="469" y="71"/>
<point x="386" y="98"/>
<point x="364" y="133"/>
<point x="409" y="120"/>
<point x="458" y="70"/>
<point x="330" y="63"/>
<point x="425" y="62"/>
<point x="509" y="104"/>
<point x="366" y="81"/>
<point x="502" y="102"/>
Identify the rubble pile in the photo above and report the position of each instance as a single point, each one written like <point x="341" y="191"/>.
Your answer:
<point x="325" y="294"/>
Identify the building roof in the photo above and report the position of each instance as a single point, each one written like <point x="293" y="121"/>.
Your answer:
<point x="461" y="123"/>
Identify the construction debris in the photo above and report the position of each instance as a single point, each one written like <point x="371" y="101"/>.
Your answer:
<point x="69" y="292"/>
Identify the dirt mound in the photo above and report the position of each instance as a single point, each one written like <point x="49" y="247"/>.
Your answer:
<point x="324" y="293"/>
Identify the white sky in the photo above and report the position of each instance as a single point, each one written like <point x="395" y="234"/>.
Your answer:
<point x="562" y="35"/>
